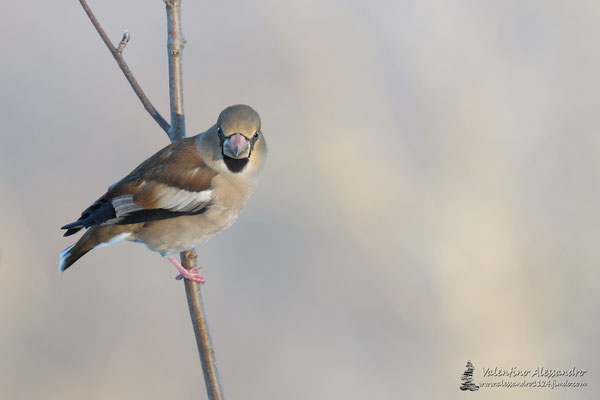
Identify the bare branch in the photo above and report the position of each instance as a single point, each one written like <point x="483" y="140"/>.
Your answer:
<point x="175" y="45"/>
<point x="125" y="68"/>
<point x="214" y="389"/>
<point x="124" y="42"/>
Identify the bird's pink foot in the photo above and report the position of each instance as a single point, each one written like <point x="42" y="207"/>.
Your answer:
<point x="187" y="273"/>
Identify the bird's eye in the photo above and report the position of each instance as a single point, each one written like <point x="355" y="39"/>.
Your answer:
<point x="219" y="130"/>
<point x="256" y="135"/>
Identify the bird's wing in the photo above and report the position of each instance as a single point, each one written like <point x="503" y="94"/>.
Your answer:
<point x="173" y="182"/>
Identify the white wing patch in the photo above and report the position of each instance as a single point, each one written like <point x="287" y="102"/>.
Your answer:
<point x="168" y="198"/>
<point x="124" y="205"/>
<point x="183" y="200"/>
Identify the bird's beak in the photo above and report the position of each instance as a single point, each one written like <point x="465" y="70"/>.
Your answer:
<point x="236" y="146"/>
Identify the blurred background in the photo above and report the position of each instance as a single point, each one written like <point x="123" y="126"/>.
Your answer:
<point x="430" y="198"/>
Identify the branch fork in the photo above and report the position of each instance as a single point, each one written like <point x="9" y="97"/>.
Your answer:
<point x="126" y="71"/>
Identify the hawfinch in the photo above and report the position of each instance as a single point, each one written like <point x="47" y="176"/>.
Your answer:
<point x="181" y="196"/>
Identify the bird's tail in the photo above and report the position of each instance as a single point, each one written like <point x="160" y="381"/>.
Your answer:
<point x="96" y="236"/>
<point x="77" y="250"/>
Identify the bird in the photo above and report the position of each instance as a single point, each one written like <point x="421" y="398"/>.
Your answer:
<point x="180" y="197"/>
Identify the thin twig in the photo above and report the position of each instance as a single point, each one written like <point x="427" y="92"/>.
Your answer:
<point x="175" y="45"/>
<point x="126" y="71"/>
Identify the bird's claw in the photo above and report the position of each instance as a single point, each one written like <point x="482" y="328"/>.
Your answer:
<point x="191" y="275"/>
<point x="187" y="273"/>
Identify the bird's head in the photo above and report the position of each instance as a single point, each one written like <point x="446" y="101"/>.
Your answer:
<point x="241" y="142"/>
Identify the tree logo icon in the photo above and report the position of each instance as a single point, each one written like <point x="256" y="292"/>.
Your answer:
<point x="467" y="378"/>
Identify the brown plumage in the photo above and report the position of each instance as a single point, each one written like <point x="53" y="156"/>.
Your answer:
<point x="181" y="196"/>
